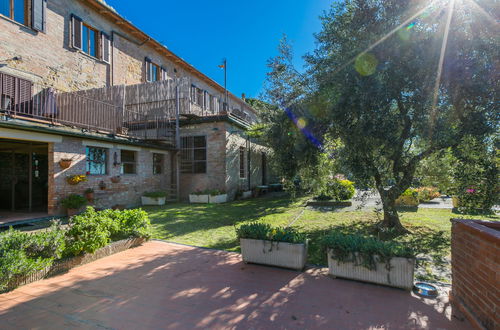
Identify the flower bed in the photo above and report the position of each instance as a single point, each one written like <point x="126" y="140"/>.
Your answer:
<point x="281" y="247"/>
<point x="26" y="257"/>
<point x="370" y="260"/>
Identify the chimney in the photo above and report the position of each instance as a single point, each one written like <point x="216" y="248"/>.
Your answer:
<point x="243" y="97"/>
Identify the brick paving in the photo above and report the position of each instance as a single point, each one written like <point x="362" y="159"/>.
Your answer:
<point x="169" y="286"/>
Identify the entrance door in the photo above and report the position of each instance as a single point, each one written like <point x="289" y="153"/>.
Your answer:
<point x="24" y="176"/>
<point x="264" y="169"/>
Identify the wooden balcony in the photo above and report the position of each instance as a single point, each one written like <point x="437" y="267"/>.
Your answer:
<point x="144" y="111"/>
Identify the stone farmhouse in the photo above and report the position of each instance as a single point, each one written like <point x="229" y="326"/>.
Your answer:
<point x="85" y="92"/>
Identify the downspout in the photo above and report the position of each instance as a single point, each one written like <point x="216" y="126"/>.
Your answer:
<point x="248" y="163"/>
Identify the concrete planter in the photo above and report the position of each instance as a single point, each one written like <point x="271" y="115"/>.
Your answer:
<point x="271" y="253"/>
<point x="246" y="194"/>
<point x="217" y="199"/>
<point x="399" y="275"/>
<point x="152" y="200"/>
<point x="198" y="199"/>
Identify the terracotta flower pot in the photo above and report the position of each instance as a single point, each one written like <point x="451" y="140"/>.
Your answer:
<point x="115" y="179"/>
<point x="65" y="163"/>
<point x="89" y="196"/>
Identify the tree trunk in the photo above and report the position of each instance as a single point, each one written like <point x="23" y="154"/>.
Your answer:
<point x="391" y="217"/>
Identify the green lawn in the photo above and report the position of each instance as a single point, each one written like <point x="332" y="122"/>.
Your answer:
<point x="212" y="226"/>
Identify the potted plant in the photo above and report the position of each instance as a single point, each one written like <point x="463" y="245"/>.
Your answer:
<point x="199" y="197"/>
<point x="102" y="185"/>
<point x="73" y="204"/>
<point x="89" y="194"/>
<point x="217" y="196"/>
<point x="370" y="260"/>
<point x="153" y="198"/>
<point x="65" y="163"/>
<point x="76" y="179"/>
<point x="282" y="247"/>
<point x="116" y="179"/>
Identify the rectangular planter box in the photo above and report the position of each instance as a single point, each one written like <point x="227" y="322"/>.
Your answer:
<point x="246" y="194"/>
<point x="278" y="254"/>
<point x="152" y="201"/>
<point x="198" y="199"/>
<point x="400" y="274"/>
<point x="217" y="199"/>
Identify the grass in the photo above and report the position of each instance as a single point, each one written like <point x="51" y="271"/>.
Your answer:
<point x="213" y="225"/>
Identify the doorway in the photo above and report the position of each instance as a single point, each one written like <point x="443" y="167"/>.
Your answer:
<point x="264" y="169"/>
<point x="23" y="176"/>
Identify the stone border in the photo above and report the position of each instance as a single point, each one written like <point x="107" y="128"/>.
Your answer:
<point x="315" y="203"/>
<point x="64" y="265"/>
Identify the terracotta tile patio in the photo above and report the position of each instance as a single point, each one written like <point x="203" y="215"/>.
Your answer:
<point x="168" y="286"/>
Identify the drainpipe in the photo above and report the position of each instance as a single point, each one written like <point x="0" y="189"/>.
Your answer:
<point x="248" y="163"/>
<point x="177" y="138"/>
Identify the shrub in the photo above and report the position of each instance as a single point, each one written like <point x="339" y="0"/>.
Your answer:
<point x="92" y="230"/>
<point x="22" y="254"/>
<point x="73" y="201"/>
<point x="89" y="190"/>
<point x="415" y="196"/>
<point x="211" y="192"/>
<point x="426" y="194"/>
<point x="362" y="250"/>
<point x="88" y="232"/>
<point x="155" y="194"/>
<point x="264" y="231"/>
<point x="339" y="189"/>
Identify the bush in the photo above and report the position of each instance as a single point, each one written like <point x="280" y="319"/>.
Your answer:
<point x="360" y="249"/>
<point x="92" y="230"/>
<point x="339" y="190"/>
<point x="155" y="194"/>
<point x="73" y="201"/>
<point x="415" y="196"/>
<point x="264" y="231"/>
<point x="22" y="254"/>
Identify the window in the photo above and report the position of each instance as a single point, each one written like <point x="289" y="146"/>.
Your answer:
<point x="97" y="160"/>
<point x="242" y="162"/>
<point x="154" y="72"/>
<point x="194" y="154"/>
<point x="19" y="11"/>
<point x="128" y="162"/>
<point x="90" y="40"/>
<point x="197" y="95"/>
<point x="157" y="163"/>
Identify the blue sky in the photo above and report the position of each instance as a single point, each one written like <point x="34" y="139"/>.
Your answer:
<point x="245" y="32"/>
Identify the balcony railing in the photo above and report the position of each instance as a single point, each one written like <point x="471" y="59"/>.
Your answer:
<point x="143" y="111"/>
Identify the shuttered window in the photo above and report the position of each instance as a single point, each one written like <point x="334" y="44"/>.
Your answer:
<point x="76" y="32"/>
<point x="90" y="40"/>
<point x="15" y="94"/>
<point x="153" y="71"/>
<point x="128" y="161"/>
<point x="38" y="14"/>
<point x="18" y="10"/>
<point x="105" y="48"/>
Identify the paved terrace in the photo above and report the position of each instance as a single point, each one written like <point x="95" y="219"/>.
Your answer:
<point x="168" y="286"/>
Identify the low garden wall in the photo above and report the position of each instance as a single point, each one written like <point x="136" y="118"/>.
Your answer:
<point x="64" y="265"/>
<point x="475" y="251"/>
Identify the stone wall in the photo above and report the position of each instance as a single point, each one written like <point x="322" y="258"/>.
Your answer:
<point x="127" y="192"/>
<point x="49" y="60"/>
<point x="475" y="253"/>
